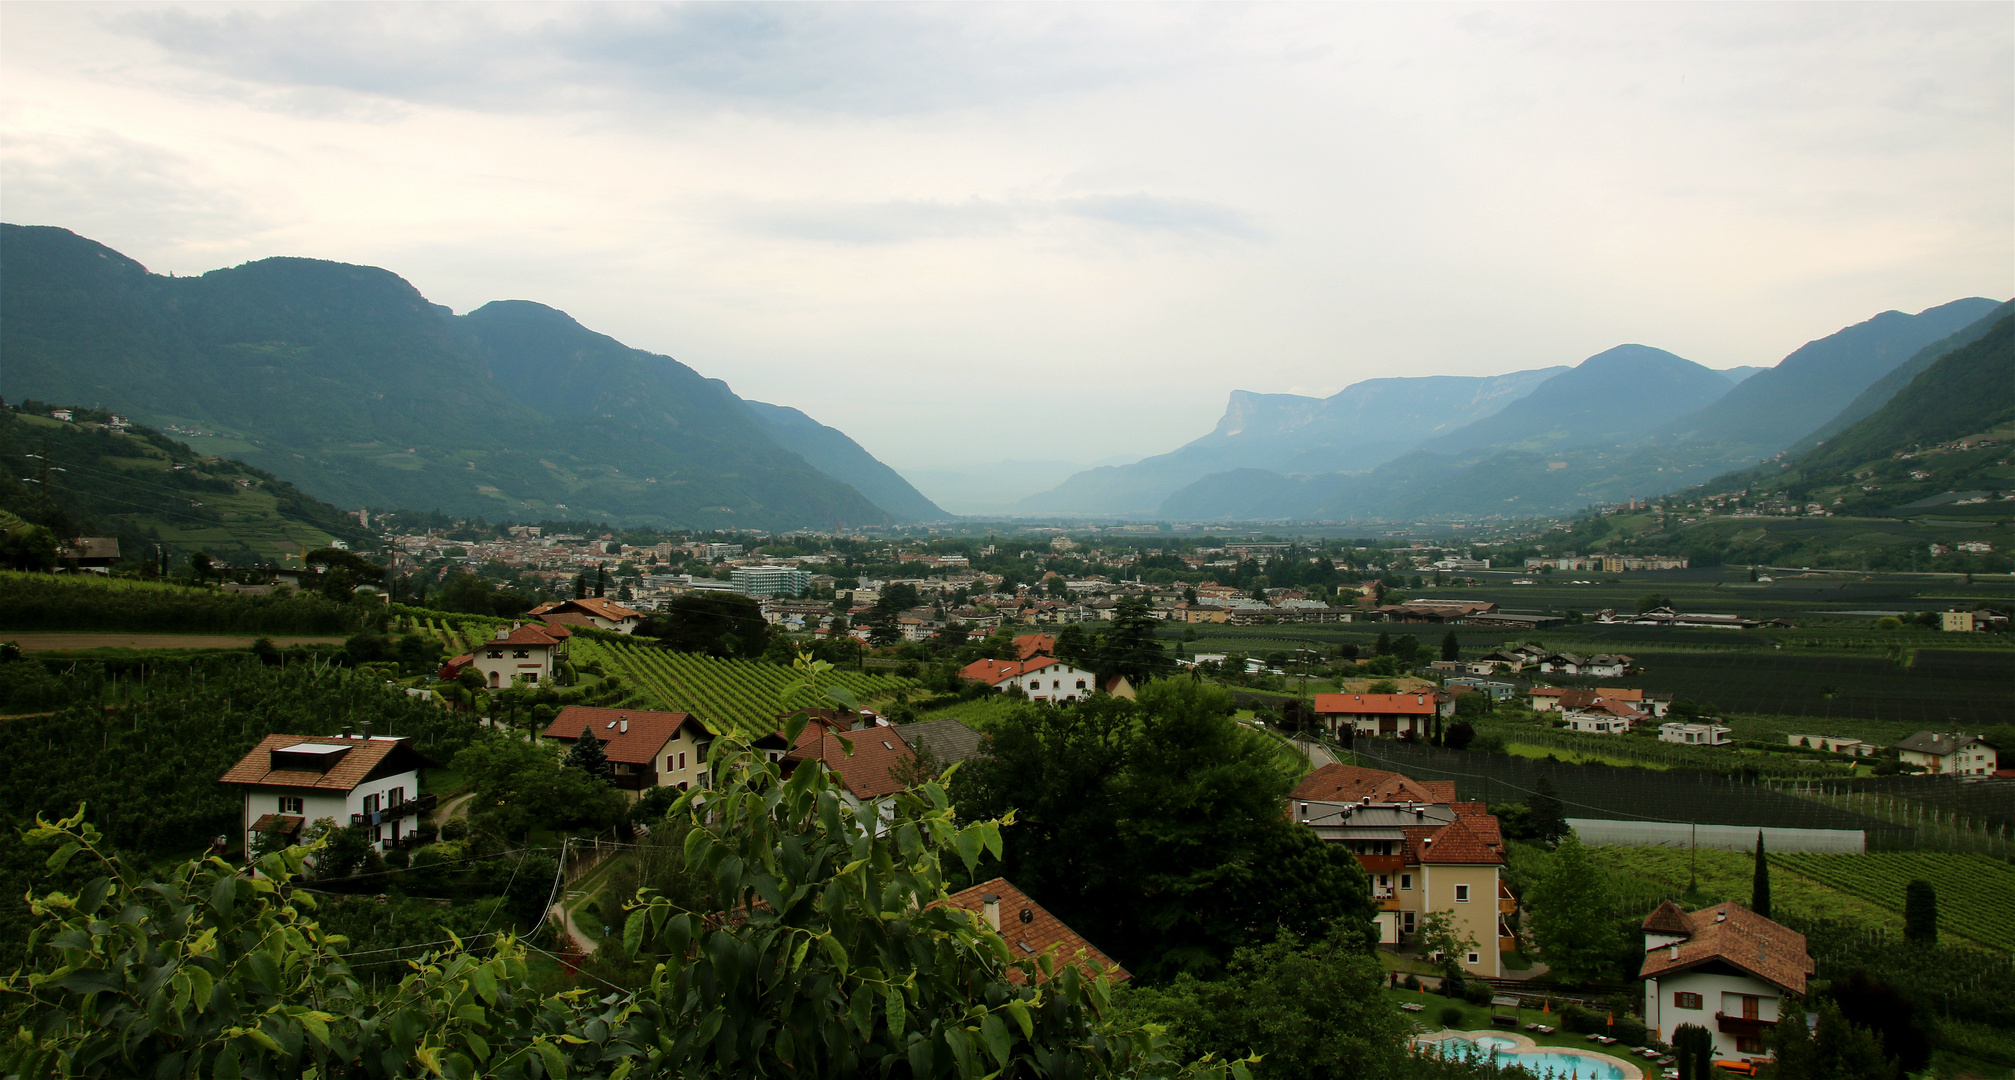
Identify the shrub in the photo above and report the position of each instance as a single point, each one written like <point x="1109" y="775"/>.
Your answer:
<point x="1584" y="1021"/>
<point x="1629" y="1030"/>
<point x="1451" y="1016"/>
<point x="1411" y="982"/>
<point x="1478" y="993"/>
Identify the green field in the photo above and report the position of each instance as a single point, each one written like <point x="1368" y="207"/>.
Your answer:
<point x="1976" y="894"/>
<point x="722" y="691"/>
<point x="1642" y="876"/>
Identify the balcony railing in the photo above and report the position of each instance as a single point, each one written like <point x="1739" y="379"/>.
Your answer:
<point x="636" y="781"/>
<point x="1743" y="1027"/>
<point x="406" y="808"/>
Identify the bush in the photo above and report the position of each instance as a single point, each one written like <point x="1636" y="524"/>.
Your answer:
<point x="1629" y="1030"/>
<point x="1451" y="1016"/>
<point x="1478" y="993"/>
<point x="1411" y="982"/>
<point x="1584" y="1021"/>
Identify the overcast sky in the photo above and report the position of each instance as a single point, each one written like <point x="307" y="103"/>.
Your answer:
<point x="965" y="232"/>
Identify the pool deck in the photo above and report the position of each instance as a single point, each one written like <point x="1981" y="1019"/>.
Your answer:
<point x="1527" y="1046"/>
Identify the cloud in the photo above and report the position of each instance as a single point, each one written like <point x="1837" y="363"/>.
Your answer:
<point x="906" y="220"/>
<point x="143" y="191"/>
<point x="883" y="59"/>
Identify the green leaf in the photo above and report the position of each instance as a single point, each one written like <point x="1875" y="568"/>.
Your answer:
<point x="996" y="1036"/>
<point x="478" y="1044"/>
<point x="200" y="986"/>
<point x="225" y="896"/>
<point x="1017" y="1009"/>
<point x="61" y="856"/>
<point x="550" y="1057"/>
<point x="486" y="983"/>
<point x="969" y="848"/>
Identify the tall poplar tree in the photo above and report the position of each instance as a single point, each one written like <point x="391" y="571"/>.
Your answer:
<point x="1759" y="889"/>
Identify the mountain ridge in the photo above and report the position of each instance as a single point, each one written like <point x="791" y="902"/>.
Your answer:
<point x="349" y="382"/>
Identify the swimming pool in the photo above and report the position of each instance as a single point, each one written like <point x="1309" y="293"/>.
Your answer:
<point x="1550" y="1064"/>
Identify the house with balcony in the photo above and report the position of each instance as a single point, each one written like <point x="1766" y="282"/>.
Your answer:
<point x="1423" y="852"/>
<point x="1707" y="734"/>
<point x="1949" y="753"/>
<point x="645" y="749"/>
<point x="1378" y="714"/>
<point x="1726" y="969"/>
<point x="288" y="782"/>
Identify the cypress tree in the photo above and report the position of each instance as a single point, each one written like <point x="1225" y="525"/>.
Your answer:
<point x="1384" y="646"/>
<point x="601" y="581"/>
<point x="588" y="756"/>
<point x="1451" y="648"/>
<point x="1920" y="912"/>
<point x="1759" y="890"/>
<point x="1545" y="816"/>
<point x="1693" y="1045"/>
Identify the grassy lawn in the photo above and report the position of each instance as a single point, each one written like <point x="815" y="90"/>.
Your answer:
<point x="1477" y="1018"/>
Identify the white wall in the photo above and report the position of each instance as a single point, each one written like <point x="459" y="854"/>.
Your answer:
<point x="1663" y="1016"/>
<point x="316" y="805"/>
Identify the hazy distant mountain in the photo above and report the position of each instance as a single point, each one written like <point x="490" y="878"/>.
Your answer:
<point x="1803" y="391"/>
<point x="1613" y="396"/>
<point x="830" y="451"/>
<point x="1881" y="390"/>
<point x="346" y="381"/>
<point x="1738" y="374"/>
<point x="1354" y="430"/>
<point x="1632" y="421"/>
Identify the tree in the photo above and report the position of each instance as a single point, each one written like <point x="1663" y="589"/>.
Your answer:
<point x="1545" y="817"/>
<point x="588" y="756"/>
<point x="1154" y="828"/>
<point x="601" y="581"/>
<point x="717" y="623"/>
<point x="1451" y="647"/>
<point x="1833" y="1049"/>
<point x="580" y="586"/>
<point x="1759" y="886"/>
<point x="521" y="786"/>
<point x="1693" y="1046"/>
<point x="1461" y="733"/>
<point x="1439" y="936"/>
<point x="1573" y="917"/>
<point x="1383" y="647"/>
<point x="1652" y="600"/>
<point x="1867" y="1002"/>
<point x="1128" y="646"/>
<point x="1920" y="913"/>
<point x="1309" y="1008"/>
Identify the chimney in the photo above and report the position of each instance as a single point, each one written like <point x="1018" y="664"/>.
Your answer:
<point x="349" y="732"/>
<point x="503" y="634"/>
<point x="1673" y="951"/>
<point x="990" y="904"/>
<point x="622" y="725"/>
<point x="365" y="730"/>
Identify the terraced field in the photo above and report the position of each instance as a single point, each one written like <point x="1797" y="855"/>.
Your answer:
<point x="721" y="691"/>
<point x="1976" y="894"/>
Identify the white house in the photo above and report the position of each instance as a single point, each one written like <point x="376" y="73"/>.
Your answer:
<point x="1833" y="744"/>
<point x="596" y="611"/>
<point x="1948" y="752"/>
<point x="1724" y="968"/>
<point x="531" y="653"/>
<point x="645" y="749"/>
<point x="1042" y="678"/>
<point x="1601" y="716"/>
<point x="291" y="781"/>
<point x="1695" y="734"/>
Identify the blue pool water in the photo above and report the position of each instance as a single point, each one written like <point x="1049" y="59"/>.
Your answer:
<point x="1544" y="1063"/>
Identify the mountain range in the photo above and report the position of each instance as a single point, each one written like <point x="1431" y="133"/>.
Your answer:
<point x="348" y="382"/>
<point x="1629" y="421"/>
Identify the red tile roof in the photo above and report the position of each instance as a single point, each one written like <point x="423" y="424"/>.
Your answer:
<point x="1351" y="783"/>
<point x="1455" y="842"/>
<point x="361" y="759"/>
<point x="602" y="606"/>
<point x="648" y="731"/>
<point x="561" y="619"/>
<point x="1031" y="930"/>
<point x="289" y="824"/>
<point x="869" y="771"/>
<point x="1375" y="704"/>
<point x="525" y="635"/>
<point x="1027" y="645"/>
<point x="995" y="672"/>
<point x="1736" y="936"/>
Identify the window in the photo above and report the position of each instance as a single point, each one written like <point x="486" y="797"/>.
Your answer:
<point x="1462" y="894"/>
<point x="668" y="762"/>
<point x="395" y="796"/>
<point x="682" y="759"/>
<point x="1748" y="1046"/>
<point x="496" y="654"/>
<point x="372" y="803"/>
<point x="1407" y="918"/>
<point x="1406" y="882"/>
<point x="1684" y="1000"/>
<point x="521" y="653"/>
<point x="1080" y="684"/>
<point x="290" y="804"/>
<point x="1476" y="958"/>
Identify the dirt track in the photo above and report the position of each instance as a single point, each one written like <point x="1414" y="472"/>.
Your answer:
<point x="48" y="642"/>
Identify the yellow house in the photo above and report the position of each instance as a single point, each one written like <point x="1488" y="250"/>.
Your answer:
<point x="1423" y="852"/>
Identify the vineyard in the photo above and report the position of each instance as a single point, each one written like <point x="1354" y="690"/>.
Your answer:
<point x="456" y="633"/>
<point x="722" y="691"/>
<point x="1976" y="894"/>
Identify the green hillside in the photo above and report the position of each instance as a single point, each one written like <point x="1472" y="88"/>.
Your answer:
<point x="348" y="381"/>
<point x="147" y="489"/>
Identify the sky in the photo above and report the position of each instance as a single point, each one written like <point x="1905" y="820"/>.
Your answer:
<point x="1059" y="233"/>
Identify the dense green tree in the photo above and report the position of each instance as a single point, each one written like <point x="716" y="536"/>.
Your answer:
<point x="1920" y="912"/>
<point x="1311" y="1009"/>
<point x="1383" y="647"/>
<point x="1128" y="646"/>
<point x="1905" y="1030"/>
<point x="1652" y="600"/>
<point x="717" y="623"/>
<point x="1546" y="816"/>
<point x="1833" y="1049"/>
<point x="521" y="786"/>
<point x="1759" y="885"/>
<point x="1155" y="828"/>
<point x="1693" y="1046"/>
<point x="1451" y="646"/>
<point x="588" y="755"/>
<point x="1573" y="917"/>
